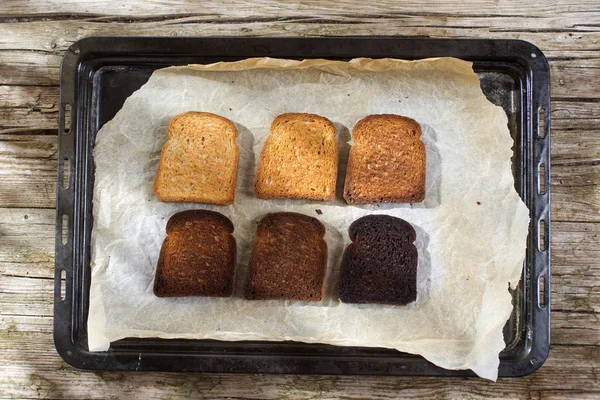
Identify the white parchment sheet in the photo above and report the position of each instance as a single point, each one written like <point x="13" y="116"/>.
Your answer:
<point x="471" y="229"/>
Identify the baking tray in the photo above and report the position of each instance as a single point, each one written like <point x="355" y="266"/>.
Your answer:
<point x="99" y="73"/>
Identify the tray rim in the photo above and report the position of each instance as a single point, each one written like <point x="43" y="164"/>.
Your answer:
<point x="65" y="310"/>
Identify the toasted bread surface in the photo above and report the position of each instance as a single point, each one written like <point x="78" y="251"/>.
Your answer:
<point x="198" y="256"/>
<point x="380" y="264"/>
<point x="288" y="260"/>
<point x="387" y="161"/>
<point x="199" y="161"/>
<point x="299" y="159"/>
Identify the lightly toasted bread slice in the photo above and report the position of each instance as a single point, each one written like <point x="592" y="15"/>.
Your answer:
<point x="299" y="159"/>
<point x="199" y="161"/>
<point x="386" y="162"/>
<point x="198" y="256"/>
<point x="288" y="260"/>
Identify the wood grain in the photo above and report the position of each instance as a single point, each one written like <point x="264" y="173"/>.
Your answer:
<point x="152" y="8"/>
<point x="35" y="36"/>
<point x="27" y="108"/>
<point x="28" y="168"/>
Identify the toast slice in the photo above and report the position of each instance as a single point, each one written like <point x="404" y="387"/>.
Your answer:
<point x="386" y="162"/>
<point x="199" y="161"/>
<point x="299" y="159"/>
<point x="380" y="264"/>
<point x="198" y="256"/>
<point x="288" y="260"/>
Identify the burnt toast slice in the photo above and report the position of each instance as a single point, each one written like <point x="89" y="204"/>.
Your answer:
<point x="198" y="256"/>
<point x="299" y="159"/>
<point x="380" y="264"/>
<point x="386" y="162"/>
<point x="288" y="260"/>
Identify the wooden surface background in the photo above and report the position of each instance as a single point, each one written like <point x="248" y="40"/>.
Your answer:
<point x="33" y="38"/>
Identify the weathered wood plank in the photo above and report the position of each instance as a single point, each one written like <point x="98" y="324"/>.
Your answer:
<point x="567" y="76"/>
<point x="152" y="8"/>
<point x="29" y="68"/>
<point x="26" y="296"/>
<point x="570" y="328"/>
<point x="575" y="247"/>
<point x="413" y="15"/>
<point x="28" y="165"/>
<point x="562" y="394"/>
<point x="577" y="146"/>
<point x="574" y="190"/>
<point x="28" y="107"/>
<point x="557" y="42"/>
<point x="27" y="242"/>
<point x="576" y="292"/>
<point x="575" y="114"/>
<point x="575" y="266"/>
<point x="575" y="134"/>
<point x="30" y="97"/>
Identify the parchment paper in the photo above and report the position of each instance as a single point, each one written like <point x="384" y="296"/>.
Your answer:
<point x="471" y="229"/>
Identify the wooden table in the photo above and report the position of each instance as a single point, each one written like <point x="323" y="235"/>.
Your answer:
<point x="34" y="36"/>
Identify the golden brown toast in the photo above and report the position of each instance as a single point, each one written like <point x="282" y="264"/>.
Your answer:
<point x="289" y="259"/>
<point x="199" y="161"/>
<point x="386" y="162"/>
<point x="299" y="159"/>
<point x="198" y="256"/>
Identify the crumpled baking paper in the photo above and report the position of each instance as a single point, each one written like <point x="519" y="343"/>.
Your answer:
<point x="471" y="228"/>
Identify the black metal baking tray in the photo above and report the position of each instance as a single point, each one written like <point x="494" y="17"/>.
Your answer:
<point x="99" y="73"/>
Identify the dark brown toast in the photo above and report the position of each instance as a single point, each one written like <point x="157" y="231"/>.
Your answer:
<point x="198" y="256"/>
<point x="299" y="159"/>
<point x="380" y="264"/>
<point x="387" y="161"/>
<point x="289" y="259"/>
